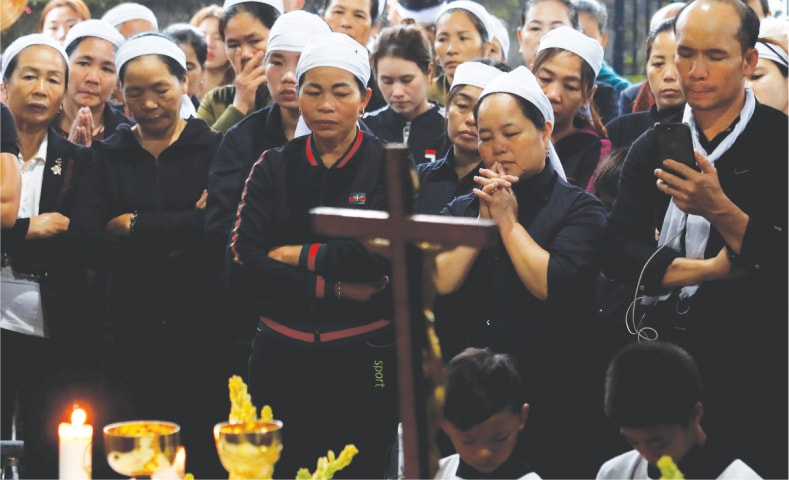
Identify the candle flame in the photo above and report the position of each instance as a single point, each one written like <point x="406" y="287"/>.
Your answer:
<point x="78" y="416"/>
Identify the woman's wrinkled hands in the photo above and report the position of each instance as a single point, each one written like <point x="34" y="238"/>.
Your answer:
<point x="496" y="198"/>
<point x="248" y="79"/>
<point x="82" y="128"/>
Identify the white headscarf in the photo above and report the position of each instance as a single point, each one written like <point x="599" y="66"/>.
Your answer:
<point x="428" y="14"/>
<point x="522" y="83"/>
<point x="293" y="30"/>
<point x="333" y="49"/>
<point x="279" y="5"/>
<point x="148" y="45"/>
<point x="500" y="33"/>
<point x="570" y="39"/>
<point x="474" y="73"/>
<point x="93" y="28"/>
<point x="125" y="12"/>
<point x="773" y="52"/>
<point x="697" y="228"/>
<point x="474" y="8"/>
<point x="25" y="41"/>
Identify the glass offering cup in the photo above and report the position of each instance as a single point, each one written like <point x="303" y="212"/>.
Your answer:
<point x="140" y="448"/>
<point x="249" y="450"/>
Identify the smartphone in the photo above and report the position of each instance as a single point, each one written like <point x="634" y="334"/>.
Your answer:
<point x="674" y="142"/>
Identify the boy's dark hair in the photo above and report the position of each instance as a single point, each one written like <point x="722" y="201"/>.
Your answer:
<point x="481" y="383"/>
<point x="651" y="383"/>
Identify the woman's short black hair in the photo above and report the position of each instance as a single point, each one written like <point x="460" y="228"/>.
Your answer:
<point x="262" y="11"/>
<point x="185" y="33"/>
<point x="173" y="66"/>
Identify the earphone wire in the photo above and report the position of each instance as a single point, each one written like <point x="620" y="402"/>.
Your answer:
<point x="643" y="333"/>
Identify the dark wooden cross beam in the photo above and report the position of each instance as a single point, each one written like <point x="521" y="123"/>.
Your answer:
<point x="406" y="235"/>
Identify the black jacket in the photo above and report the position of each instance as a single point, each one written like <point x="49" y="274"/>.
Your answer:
<point x="426" y="133"/>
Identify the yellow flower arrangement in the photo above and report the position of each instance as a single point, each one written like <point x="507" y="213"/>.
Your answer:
<point x="242" y="410"/>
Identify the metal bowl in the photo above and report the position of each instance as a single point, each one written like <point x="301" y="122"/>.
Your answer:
<point x="249" y="449"/>
<point x="141" y="447"/>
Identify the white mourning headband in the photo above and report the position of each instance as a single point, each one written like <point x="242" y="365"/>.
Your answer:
<point x="426" y="15"/>
<point x="93" y="28"/>
<point x="474" y="73"/>
<point x="293" y="30"/>
<point x="125" y="12"/>
<point x="338" y="50"/>
<point x="773" y="52"/>
<point x="570" y="39"/>
<point x="25" y="41"/>
<point x="473" y="8"/>
<point x="152" y="44"/>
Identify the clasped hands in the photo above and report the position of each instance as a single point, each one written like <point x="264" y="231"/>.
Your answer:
<point x="497" y="201"/>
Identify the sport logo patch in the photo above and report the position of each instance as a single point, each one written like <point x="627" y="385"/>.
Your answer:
<point x="359" y="198"/>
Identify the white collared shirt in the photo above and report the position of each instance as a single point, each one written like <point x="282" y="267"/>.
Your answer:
<point x="21" y="310"/>
<point x="32" y="180"/>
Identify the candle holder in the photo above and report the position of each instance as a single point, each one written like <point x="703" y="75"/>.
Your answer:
<point x="140" y="448"/>
<point x="249" y="450"/>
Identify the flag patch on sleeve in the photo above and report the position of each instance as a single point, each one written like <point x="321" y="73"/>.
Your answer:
<point x="359" y="198"/>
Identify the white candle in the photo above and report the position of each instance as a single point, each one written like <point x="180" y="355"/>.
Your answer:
<point x="75" y="441"/>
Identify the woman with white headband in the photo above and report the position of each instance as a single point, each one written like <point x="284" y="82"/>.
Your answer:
<point x="150" y="200"/>
<point x="464" y="30"/>
<point x="324" y="312"/>
<point x="242" y="145"/>
<point x="245" y="27"/>
<point x="86" y="114"/>
<point x="46" y="303"/>
<point x="566" y="66"/>
<point x="769" y="79"/>
<point x="533" y="293"/>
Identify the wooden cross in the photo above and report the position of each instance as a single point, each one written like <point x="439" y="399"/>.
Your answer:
<point x="406" y="235"/>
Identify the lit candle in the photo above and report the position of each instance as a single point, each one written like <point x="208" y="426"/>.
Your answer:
<point x="75" y="440"/>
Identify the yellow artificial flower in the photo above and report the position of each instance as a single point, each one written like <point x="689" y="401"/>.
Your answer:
<point x="329" y="465"/>
<point x="669" y="469"/>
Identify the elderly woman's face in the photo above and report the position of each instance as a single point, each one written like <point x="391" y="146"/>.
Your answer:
<point x="509" y="138"/>
<point x="245" y="35"/>
<point x="331" y="102"/>
<point x="152" y="94"/>
<point x="92" y="75"/>
<point x="36" y="87"/>
<point x="560" y="79"/>
<point x="662" y="72"/>
<point x="351" y="17"/>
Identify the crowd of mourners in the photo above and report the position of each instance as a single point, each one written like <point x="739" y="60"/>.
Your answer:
<point x="157" y="236"/>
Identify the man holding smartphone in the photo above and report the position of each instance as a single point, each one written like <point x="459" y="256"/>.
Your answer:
<point x="719" y="267"/>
